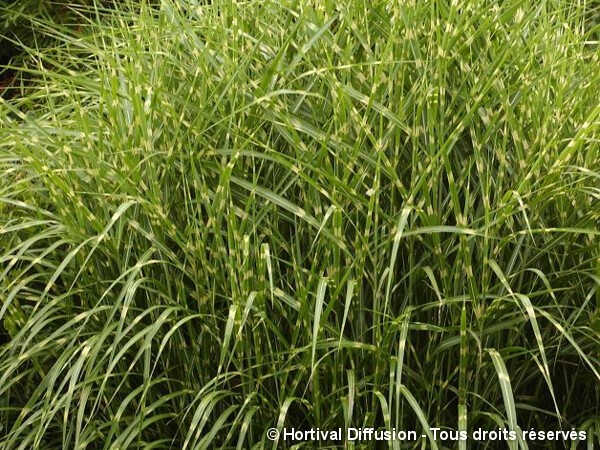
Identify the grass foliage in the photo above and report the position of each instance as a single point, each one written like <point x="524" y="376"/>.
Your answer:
<point x="221" y="218"/>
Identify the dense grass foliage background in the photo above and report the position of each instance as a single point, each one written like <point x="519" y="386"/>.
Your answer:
<point x="216" y="219"/>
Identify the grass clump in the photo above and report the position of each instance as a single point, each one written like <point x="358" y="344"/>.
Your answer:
<point x="217" y="219"/>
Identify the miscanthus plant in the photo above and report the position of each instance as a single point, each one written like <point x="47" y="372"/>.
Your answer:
<point x="218" y="218"/>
